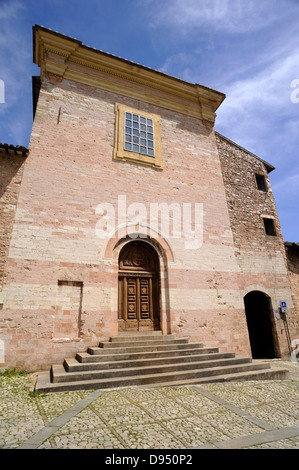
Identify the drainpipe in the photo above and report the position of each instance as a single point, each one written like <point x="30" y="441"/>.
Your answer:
<point x="283" y="315"/>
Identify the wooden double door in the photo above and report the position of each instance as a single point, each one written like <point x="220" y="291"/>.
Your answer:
<point x="138" y="288"/>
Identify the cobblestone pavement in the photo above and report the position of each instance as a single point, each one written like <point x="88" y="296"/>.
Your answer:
<point x="233" y="415"/>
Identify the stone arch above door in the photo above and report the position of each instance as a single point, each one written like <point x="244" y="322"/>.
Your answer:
<point x="145" y="233"/>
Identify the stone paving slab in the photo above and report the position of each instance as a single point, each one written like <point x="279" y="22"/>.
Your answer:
<point x="233" y="415"/>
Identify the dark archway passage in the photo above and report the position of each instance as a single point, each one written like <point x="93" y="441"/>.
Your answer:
<point x="260" y="324"/>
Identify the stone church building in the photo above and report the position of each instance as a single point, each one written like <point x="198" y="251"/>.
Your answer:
<point x="130" y="213"/>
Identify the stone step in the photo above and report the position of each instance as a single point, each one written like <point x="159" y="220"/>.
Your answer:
<point x="139" y="333"/>
<point x="59" y="374"/>
<point x="158" y="361"/>
<point x="138" y="342"/>
<point x="149" y="339"/>
<point x="87" y="358"/>
<point x="270" y="374"/>
<point x="72" y="365"/>
<point x="144" y="336"/>
<point x="144" y="348"/>
<point x="196" y="376"/>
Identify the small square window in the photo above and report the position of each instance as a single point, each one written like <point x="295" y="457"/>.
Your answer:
<point x="269" y="227"/>
<point x="261" y="182"/>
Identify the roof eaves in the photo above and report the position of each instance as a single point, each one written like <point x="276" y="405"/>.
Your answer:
<point x="219" y="96"/>
<point x="16" y="149"/>
<point x="292" y="245"/>
<point x="268" y="166"/>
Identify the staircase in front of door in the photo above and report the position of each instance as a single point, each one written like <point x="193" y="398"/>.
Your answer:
<point x="150" y="359"/>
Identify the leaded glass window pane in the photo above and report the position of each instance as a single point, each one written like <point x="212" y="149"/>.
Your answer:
<point x="142" y="131"/>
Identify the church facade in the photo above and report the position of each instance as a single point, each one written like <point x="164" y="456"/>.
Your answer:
<point x="128" y="212"/>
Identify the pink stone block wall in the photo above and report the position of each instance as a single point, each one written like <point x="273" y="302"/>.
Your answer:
<point x="61" y="279"/>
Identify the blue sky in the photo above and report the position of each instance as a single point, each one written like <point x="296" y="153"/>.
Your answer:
<point x="247" y="49"/>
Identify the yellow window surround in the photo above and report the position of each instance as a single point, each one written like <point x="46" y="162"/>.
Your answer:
<point x="121" y="154"/>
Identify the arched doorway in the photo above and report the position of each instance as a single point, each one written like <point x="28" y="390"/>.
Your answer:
<point x="260" y="322"/>
<point x="138" y="288"/>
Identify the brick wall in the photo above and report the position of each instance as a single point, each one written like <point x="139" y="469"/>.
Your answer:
<point x="292" y="252"/>
<point x="69" y="172"/>
<point x="260" y="257"/>
<point x="61" y="279"/>
<point x="11" y="170"/>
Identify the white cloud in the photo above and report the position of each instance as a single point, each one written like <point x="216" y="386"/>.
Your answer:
<point x="235" y="16"/>
<point x="16" y="60"/>
<point x="262" y="100"/>
<point x="182" y="65"/>
<point x="9" y="10"/>
<point x="272" y="85"/>
<point x="291" y="182"/>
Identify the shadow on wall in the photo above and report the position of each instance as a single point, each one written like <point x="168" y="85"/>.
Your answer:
<point x="10" y="166"/>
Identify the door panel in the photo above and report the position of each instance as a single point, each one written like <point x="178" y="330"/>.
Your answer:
<point x="145" y="298"/>
<point x="138" y="291"/>
<point x="132" y="301"/>
<point x="136" y="301"/>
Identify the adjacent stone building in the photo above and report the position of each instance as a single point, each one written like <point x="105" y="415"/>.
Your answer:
<point x="12" y="159"/>
<point x="292" y="254"/>
<point x="133" y="214"/>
